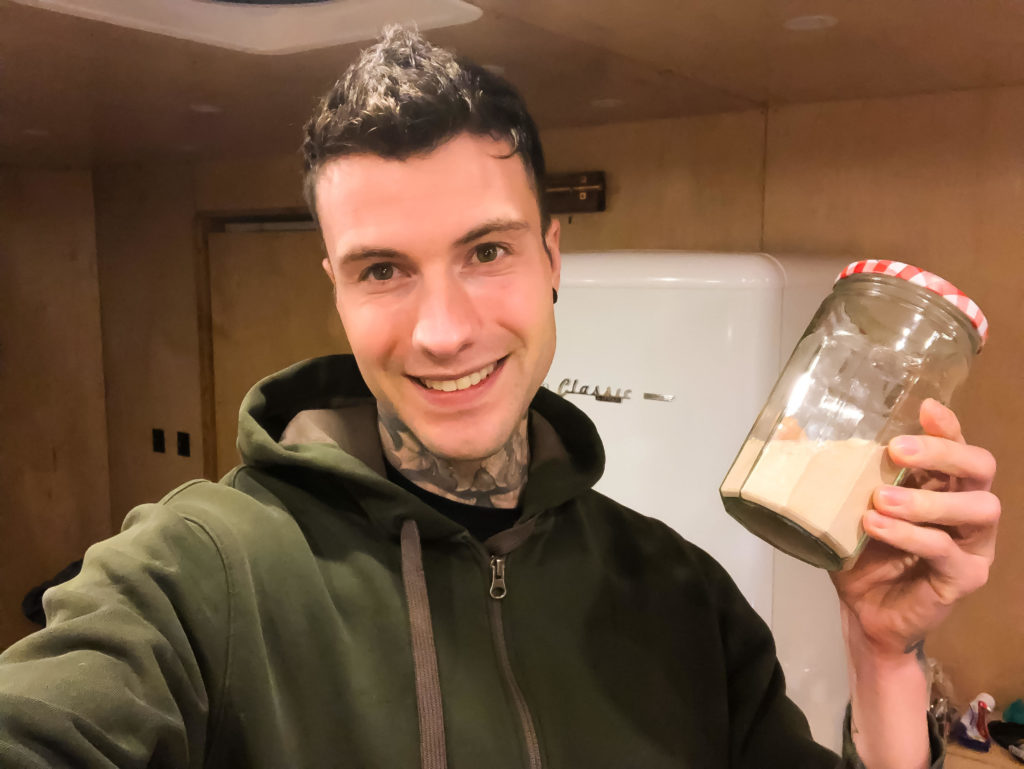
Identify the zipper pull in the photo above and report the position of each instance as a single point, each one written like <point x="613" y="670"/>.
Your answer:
<point x="498" y="590"/>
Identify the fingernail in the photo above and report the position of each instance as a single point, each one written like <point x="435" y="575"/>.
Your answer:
<point x="876" y="519"/>
<point x="905" y="444"/>
<point x="892" y="495"/>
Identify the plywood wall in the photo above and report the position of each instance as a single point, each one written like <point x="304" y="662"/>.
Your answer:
<point x="692" y="183"/>
<point x="144" y="230"/>
<point x="53" y="441"/>
<point x="249" y="184"/>
<point x="936" y="181"/>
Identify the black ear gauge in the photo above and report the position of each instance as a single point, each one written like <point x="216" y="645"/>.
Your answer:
<point x="554" y="296"/>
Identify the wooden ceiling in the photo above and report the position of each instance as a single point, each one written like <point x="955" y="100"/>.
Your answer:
<point x="74" y="91"/>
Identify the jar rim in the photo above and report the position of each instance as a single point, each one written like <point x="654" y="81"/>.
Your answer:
<point x="927" y="296"/>
<point x="927" y="280"/>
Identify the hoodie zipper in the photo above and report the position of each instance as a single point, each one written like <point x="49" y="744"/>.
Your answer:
<point x="497" y="591"/>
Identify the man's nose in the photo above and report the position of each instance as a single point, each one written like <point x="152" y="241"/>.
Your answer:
<point x="445" y="320"/>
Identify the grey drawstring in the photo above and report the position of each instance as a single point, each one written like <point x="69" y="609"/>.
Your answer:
<point x="424" y="654"/>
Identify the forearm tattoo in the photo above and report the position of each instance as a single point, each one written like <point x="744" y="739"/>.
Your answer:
<point x="495" y="481"/>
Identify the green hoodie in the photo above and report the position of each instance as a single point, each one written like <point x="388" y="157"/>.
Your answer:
<point x="306" y="612"/>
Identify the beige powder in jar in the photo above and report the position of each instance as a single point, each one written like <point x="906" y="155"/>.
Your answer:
<point x="825" y="487"/>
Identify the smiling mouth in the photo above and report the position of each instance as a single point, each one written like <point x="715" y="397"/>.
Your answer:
<point x="462" y="383"/>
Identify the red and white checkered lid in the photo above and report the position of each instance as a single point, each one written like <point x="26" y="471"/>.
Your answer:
<point x="927" y="280"/>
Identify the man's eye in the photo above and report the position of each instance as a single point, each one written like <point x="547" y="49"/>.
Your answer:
<point x="488" y="252"/>
<point x="379" y="271"/>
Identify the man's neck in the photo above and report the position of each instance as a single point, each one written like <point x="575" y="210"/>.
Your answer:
<point x="495" y="481"/>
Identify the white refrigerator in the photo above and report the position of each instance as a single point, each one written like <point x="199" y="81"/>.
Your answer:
<point x="672" y="355"/>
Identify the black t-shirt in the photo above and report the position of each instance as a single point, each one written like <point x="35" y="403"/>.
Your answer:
<point x="481" y="522"/>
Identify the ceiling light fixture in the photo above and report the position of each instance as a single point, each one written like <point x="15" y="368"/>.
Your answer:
<point x="205" y="109"/>
<point x="270" y="2"/>
<point x="606" y="103"/>
<point x="810" y="23"/>
<point x="278" y="27"/>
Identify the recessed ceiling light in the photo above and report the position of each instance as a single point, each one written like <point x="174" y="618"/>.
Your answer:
<point x="205" y="109"/>
<point x="607" y="103"/>
<point x="36" y="132"/>
<point x="495" y="69"/>
<point x="810" y="23"/>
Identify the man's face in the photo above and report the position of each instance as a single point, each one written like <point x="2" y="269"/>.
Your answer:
<point x="444" y="287"/>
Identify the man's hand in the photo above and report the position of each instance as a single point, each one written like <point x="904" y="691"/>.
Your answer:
<point x="930" y="545"/>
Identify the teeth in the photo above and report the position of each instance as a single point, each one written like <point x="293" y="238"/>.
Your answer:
<point x="451" y="385"/>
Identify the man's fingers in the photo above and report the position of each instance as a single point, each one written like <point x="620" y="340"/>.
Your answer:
<point x="943" y="455"/>
<point x="934" y="544"/>
<point x="962" y="572"/>
<point x="939" y="508"/>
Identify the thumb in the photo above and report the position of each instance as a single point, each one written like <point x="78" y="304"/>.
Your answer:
<point x="940" y="421"/>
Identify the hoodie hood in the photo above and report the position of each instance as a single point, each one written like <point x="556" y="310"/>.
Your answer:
<point x="318" y="418"/>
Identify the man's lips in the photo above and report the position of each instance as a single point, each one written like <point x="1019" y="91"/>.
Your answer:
<point x="455" y="383"/>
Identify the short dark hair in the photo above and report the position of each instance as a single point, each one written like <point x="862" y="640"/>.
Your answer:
<point x="405" y="97"/>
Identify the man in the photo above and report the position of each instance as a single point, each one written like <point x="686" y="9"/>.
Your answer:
<point x="410" y="567"/>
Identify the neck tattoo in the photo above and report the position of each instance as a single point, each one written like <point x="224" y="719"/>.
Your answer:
<point x="495" y="481"/>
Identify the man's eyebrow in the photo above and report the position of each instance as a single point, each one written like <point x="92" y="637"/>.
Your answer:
<point x="364" y="253"/>
<point x="494" y="225"/>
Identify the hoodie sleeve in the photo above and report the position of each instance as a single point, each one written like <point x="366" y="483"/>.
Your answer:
<point x="120" y="675"/>
<point x="768" y="729"/>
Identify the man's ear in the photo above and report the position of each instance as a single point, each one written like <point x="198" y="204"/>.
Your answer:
<point x="326" y="264"/>
<point x="552" y="245"/>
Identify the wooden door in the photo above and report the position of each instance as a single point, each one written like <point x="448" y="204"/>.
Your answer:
<point x="271" y="305"/>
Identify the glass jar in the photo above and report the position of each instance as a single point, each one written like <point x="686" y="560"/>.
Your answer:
<point x="888" y="337"/>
